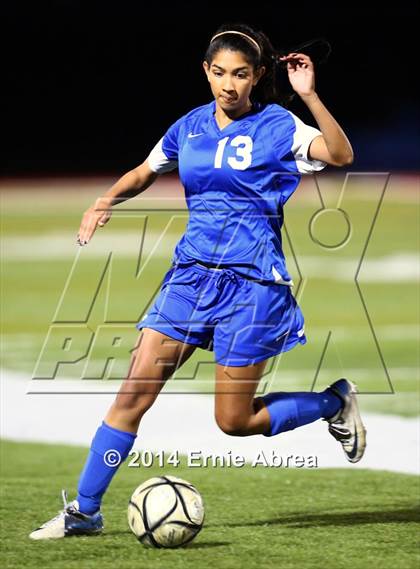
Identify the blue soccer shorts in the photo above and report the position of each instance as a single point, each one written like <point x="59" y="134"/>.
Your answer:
<point x="243" y="321"/>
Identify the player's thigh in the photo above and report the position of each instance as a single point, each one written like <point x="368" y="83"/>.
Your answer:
<point x="235" y="391"/>
<point x="154" y="359"/>
<point x="157" y="356"/>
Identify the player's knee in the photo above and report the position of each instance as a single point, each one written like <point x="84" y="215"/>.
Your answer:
<point x="132" y="401"/>
<point x="231" y="424"/>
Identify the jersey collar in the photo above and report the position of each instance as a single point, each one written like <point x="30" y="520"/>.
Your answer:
<point x="243" y="121"/>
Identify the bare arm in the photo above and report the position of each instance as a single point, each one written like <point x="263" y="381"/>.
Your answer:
<point x="333" y="146"/>
<point x="131" y="184"/>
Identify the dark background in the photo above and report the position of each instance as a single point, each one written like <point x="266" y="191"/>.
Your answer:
<point x="89" y="87"/>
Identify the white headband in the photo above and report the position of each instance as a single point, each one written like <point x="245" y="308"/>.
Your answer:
<point x="240" y="34"/>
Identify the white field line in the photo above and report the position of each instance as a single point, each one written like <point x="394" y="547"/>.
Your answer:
<point x="205" y="379"/>
<point x="185" y="423"/>
<point x="398" y="267"/>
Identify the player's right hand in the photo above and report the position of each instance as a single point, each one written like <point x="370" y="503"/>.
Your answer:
<point x="96" y="216"/>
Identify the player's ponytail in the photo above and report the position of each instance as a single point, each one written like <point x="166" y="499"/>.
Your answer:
<point x="274" y="86"/>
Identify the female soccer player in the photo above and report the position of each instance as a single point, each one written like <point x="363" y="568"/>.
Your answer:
<point x="240" y="158"/>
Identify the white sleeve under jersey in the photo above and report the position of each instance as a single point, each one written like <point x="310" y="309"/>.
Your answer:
<point x="302" y="138"/>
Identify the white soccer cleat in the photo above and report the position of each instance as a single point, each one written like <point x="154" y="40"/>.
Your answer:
<point x="70" y="521"/>
<point x="346" y="426"/>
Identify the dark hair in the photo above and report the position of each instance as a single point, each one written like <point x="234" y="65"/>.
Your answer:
<point x="274" y="86"/>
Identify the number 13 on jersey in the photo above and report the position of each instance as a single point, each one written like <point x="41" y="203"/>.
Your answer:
<point x="243" y="157"/>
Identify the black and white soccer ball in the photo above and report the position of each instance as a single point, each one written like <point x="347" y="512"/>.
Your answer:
<point x="165" y="511"/>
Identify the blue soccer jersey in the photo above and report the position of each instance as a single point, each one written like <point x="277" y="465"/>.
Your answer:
<point x="237" y="180"/>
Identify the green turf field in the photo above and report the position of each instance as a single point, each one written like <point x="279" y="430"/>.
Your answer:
<point x="255" y="517"/>
<point x="267" y="518"/>
<point x="42" y="283"/>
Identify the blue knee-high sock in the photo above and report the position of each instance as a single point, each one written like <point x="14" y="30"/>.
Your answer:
<point x="109" y="448"/>
<point x="290" y="410"/>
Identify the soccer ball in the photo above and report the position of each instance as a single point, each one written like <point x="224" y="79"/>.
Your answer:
<point x="165" y="511"/>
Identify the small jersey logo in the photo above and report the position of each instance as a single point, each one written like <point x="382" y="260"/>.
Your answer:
<point x="191" y="135"/>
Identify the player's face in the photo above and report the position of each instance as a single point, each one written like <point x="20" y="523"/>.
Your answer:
<point x="231" y="79"/>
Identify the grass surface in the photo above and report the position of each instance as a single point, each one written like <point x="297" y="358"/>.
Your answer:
<point x="42" y="284"/>
<point x="255" y="517"/>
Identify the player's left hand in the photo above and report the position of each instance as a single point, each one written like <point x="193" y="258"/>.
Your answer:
<point x="301" y="73"/>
